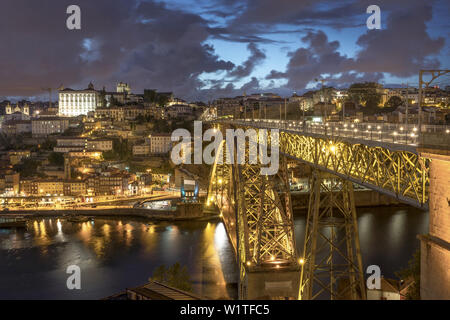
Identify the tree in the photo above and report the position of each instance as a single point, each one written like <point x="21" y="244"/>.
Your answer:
<point x="56" y="159"/>
<point x="121" y="149"/>
<point x="412" y="272"/>
<point x="174" y="276"/>
<point x="103" y="98"/>
<point x="162" y="100"/>
<point x="114" y="102"/>
<point x="150" y="96"/>
<point x="48" y="144"/>
<point x="394" y="102"/>
<point x="365" y="94"/>
<point x="109" y="155"/>
<point x="27" y="168"/>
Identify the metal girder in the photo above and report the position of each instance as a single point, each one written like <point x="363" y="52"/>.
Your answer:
<point x="266" y="212"/>
<point x="400" y="174"/>
<point x="257" y="212"/>
<point x="332" y="264"/>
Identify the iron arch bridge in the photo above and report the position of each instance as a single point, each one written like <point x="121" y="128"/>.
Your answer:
<point x="257" y="210"/>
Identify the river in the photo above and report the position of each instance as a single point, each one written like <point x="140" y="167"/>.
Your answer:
<point x="115" y="253"/>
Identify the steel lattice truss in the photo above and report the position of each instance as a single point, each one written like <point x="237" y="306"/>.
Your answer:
<point x="257" y="213"/>
<point x="266" y="213"/>
<point x="332" y="266"/>
<point x="401" y="174"/>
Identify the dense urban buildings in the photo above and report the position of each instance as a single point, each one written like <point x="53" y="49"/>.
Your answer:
<point x="234" y="150"/>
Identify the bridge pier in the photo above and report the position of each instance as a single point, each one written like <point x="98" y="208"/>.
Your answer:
<point x="332" y="263"/>
<point x="257" y="213"/>
<point x="435" y="246"/>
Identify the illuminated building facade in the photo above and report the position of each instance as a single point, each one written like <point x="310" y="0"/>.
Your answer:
<point x="73" y="103"/>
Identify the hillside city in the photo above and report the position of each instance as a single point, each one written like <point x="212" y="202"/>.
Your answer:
<point x="94" y="147"/>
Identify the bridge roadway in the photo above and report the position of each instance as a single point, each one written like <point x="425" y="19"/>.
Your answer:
<point x="382" y="157"/>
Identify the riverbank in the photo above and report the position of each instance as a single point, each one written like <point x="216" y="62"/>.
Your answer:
<point x="152" y="215"/>
<point x="363" y="198"/>
<point x="117" y="253"/>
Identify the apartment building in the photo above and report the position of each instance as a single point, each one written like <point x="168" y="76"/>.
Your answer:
<point x="75" y="188"/>
<point x="160" y="143"/>
<point x="42" y="127"/>
<point x="99" y="144"/>
<point x="141" y="150"/>
<point x="107" y="184"/>
<point x="16" y="127"/>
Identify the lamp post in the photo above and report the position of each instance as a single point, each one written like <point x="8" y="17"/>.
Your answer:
<point x="434" y="75"/>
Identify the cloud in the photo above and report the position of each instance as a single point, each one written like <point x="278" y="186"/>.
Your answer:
<point x="319" y="57"/>
<point x="143" y="43"/>
<point x="152" y="45"/>
<point x="401" y="49"/>
<point x="257" y="56"/>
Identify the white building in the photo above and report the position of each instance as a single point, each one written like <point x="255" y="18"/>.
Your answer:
<point x="25" y="109"/>
<point x="73" y="103"/>
<point x="123" y="87"/>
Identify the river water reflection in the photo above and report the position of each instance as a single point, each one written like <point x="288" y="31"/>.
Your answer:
<point x="118" y="253"/>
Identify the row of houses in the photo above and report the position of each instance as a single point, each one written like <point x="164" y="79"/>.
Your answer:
<point x="71" y="144"/>
<point x="38" y="127"/>
<point x="155" y="144"/>
<point x="123" y="113"/>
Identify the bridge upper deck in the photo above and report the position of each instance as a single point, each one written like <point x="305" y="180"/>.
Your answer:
<point x="395" y="137"/>
<point x="387" y="158"/>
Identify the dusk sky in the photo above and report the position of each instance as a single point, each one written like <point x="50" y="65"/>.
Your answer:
<point x="205" y="49"/>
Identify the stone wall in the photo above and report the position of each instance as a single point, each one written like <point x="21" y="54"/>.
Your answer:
<point x="435" y="246"/>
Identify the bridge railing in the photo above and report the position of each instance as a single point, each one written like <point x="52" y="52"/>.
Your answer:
<point x="381" y="132"/>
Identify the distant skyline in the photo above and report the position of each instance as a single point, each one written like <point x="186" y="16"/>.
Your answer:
<point x="205" y="49"/>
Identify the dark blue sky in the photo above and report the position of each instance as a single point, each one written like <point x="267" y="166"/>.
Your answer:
<point x="202" y="49"/>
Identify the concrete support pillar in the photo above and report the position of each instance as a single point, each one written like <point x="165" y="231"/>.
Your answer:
<point x="435" y="246"/>
<point x="282" y="283"/>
